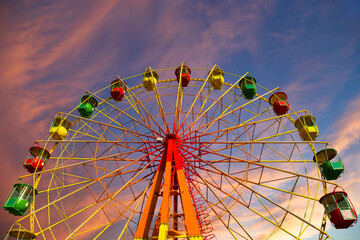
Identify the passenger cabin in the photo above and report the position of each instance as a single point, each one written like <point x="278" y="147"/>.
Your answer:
<point x="248" y="87"/>
<point x="150" y="79"/>
<point x="117" y="90"/>
<point x="216" y="78"/>
<point x="307" y="127"/>
<point x="36" y="159"/>
<point x="279" y="102"/>
<point x="185" y="73"/>
<point x="87" y="105"/>
<point x="20" y="234"/>
<point x="330" y="164"/>
<point x="20" y="199"/>
<point x="59" y="128"/>
<point x="339" y="209"/>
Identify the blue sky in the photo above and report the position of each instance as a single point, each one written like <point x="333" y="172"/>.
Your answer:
<point x="53" y="51"/>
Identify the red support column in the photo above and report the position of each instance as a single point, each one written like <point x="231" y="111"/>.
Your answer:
<point x="170" y="158"/>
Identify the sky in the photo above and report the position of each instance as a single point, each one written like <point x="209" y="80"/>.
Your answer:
<point x="53" y="51"/>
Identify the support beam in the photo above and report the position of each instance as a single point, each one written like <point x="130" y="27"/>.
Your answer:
<point x="146" y="217"/>
<point x="171" y="158"/>
<point x="192" y="229"/>
<point x="165" y="207"/>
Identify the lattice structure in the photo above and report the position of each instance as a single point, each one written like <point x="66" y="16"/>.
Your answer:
<point x="191" y="155"/>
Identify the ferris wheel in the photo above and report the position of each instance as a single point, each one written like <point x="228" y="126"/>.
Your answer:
<point x="199" y="154"/>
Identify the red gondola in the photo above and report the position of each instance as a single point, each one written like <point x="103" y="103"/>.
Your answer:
<point x="339" y="209"/>
<point x="36" y="159"/>
<point x="117" y="91"/>
<point x="279" y="102"/>
<point x="185" y="75"/>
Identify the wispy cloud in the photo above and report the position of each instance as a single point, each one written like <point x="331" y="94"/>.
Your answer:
<point x="346" y="130"/>
<point x="52" y="52"/>
<point x="203" y="34"/>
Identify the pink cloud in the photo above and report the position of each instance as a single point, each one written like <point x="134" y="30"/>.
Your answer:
<point x="346" y="130"/>
<point x="55" y="38"/>
<point x="36" y="43"/>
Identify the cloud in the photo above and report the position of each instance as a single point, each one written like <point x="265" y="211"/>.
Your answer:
<point x="37" y="43"/>
<point x="202" y="34"/>
<point x="52" y="52"/>
<point x="346" y="130"/>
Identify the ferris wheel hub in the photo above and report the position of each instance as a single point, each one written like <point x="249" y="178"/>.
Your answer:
<point x="171" y="136"/>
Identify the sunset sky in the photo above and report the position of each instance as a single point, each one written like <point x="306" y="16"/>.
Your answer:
<point x="51" y="52"/>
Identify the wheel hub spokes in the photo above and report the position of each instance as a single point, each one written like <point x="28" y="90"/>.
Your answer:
<point x="174" y="186"/>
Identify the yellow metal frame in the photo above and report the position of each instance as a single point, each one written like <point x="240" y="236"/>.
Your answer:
<point x="162" y="160"/>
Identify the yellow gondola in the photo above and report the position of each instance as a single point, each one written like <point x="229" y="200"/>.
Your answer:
<point x="307" y="127"/>
<point x="216" y="78"/>
<point x="59" y="128"/>
<point x="150" y="79"/>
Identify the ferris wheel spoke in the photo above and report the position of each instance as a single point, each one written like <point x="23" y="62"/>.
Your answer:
<point x="144" y="119"/>
<point x="244" y="124"/>
<point x="107" y="201"/>
<point x="148" y="112"/>
<point x="247" y="205"/>
<point x="240" y="146"/>
<point x="68" y="216"/>
<point x="146" y="180"/>
<point x="99" y="136"/>
<point x="53" y="204"/>
<point x="132" y="173"/>
<point x="159" y="103"/>
<point x="250" y="208"/>
<point x="135" y="121"/>
<point x="261" y="165"/>
<point x="133" y="104"/>
<point x="114" y="157"/>
<point x="95" y="181"/>
<point x="225" y="223"/>
<point x="225" y="113"/>
<point x="240" y="181"/>
<point x="215" y="209"/>
<point x="37" y="221"/>
<point x="139" y="200"/>
<point x="195" y="100"/>
<point x="140" y="160"/>
<point x="199" y="117"/>
<point x="246" y="172"/>
<point x="223" y="205"/>
<point x="179" y="99"/>
<point x="62" y="167"/>
<point x="259" y="183"/>
<point x="135" y="170"/>
<point x="125" y="130"/>
<point x="222" y="116"/>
